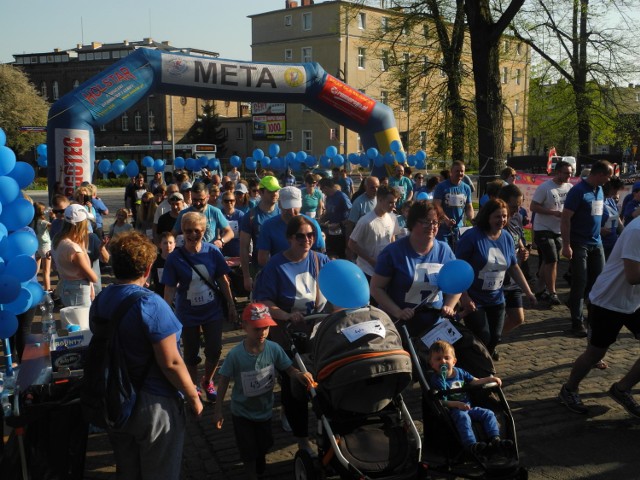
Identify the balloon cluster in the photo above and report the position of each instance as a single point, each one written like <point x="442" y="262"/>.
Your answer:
<point x="19" y="291"/>
<point x="118" y="167"/>
<point x="41" y="150"/>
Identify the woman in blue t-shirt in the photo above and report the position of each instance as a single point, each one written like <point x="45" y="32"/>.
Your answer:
<point x="491" y="252"/>
<point x="312" y="205"/>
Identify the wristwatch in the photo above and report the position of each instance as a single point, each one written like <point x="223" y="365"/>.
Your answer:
<point x="221" y="241"/>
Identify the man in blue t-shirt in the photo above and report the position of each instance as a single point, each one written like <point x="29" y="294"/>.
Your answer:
<point x="581" y="242"/>
<point x="403" y="184"/>
<point x="453" y="196"/>
<point x="337" y="206"/>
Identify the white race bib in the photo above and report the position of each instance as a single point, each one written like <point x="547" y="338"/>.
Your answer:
<point x="257" y="382"/>
<point x="597" y="207"/>
<point x="456" y="200"/>
<point x="493" y="280"/>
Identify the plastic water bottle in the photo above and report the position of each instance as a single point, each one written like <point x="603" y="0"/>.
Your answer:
<point x="48" y="323"/>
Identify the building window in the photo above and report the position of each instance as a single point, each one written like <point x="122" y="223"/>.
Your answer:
<point x="225" y="133"/>
<point x="385" y="61"/>
<point x="307" y="140"/>
<point x="288" y="55"/>
<point x="519" y="48"/>
<point x="385" y="24"/>
<point x="306" y="54"/>
<point x="55" y="90"/>
<point x="362" y="20"/>
<point x="505" y="74"/>
<point x="505" y="46"/>
<point x="76" y="84"/>
<point x="137" y="122"/>
<point x="306" y="21"/>
<point x="103" y="128"/>
<point x="239" y="133"/>
<point x="518" y="75"/>
<point x="151" y="121"/>
<point x="637" y="97"/>
<point x="423" y="102"/>
<point x="423" y="140"/>
<point x="125" y="122"/>
<point x="403" y="103"/>
<point x="405" y="62"/>
<point x="426" y="30"/>
<point x="289" y="136"/>
<point x="288" y="20"/>
<point x="115" y="54"/>
<point x="361" y="57"/>
<point x="384" y="97"/>
<point x="516" y="107"/>
<point x="425" y="64"/>
<point x="43" y="89"/>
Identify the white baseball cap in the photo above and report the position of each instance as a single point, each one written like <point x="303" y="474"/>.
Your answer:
<point x="290" y="197"/>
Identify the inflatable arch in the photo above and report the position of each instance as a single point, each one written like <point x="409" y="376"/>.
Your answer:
<point x="103" y="98"/>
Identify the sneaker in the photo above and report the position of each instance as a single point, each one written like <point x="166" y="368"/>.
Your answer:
<point x="285" y="423"/>
<point x="477" y="448"/>
<point x="572" y="401"/>
<point x="554" y="300"/>
<point x="542" y="296"/>
<point x="625" y="399"/>
<point x="578" y="329"/>
<point x="499" y="443"/>
<point x="210" y="390"/>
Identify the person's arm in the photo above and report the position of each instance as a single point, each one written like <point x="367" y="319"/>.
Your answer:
<point x="449" y="304"/>
<point x="172" y="366"/>
<point x="540" y="209"/>
<point x="518" y="276"/>
<point x="225" y="288"/>
<point x="379" y="293"/>
<point x="450" y="222"/>
<point x="245" y="260"/>
<point x="354" y="247"/>
<point x="169" y="294"/>
<point x="485" y="380"/>
<point x="81" y="260"/>
<point x="631" y="271"/>
<point x="469" y="212"/>
<point x="565" y="232"/>
<point x="305" y="379"/>
<point x="104" y="254"/>
<point x="263" y="257"/>
<point x="223" y="386"/>
<point x="281" y="315"/>
<point x="226" y="235"/>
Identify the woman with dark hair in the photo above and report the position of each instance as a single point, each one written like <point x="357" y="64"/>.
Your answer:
<point x="288" y="285"/>
<point x="490" y="250"/>
<point x="406" y="272"/>
<point x="312" y="205"/>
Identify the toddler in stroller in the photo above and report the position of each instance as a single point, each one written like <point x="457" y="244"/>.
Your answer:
<point x="364" y="428"/>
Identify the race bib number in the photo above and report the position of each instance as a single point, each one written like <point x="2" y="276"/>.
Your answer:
<point x="257" y="382"/>
<point x="493" y="280"/>
<point x="235" y="227"/>
<point x="199" y="292"/>
<point x="456" y="200"/>
<point x="597" y="207"/>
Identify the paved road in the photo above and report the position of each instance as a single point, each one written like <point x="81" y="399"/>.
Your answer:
<point x="554" y="443"/>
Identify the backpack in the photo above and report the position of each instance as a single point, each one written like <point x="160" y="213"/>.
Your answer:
<point x="108" y="393"/>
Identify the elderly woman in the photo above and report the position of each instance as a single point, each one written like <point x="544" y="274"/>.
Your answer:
<point x="491" y="252"/>
<point x="197" y="271"/>
<point x="69" y="252"/>
<point x="288" y="285"/>
<point x="405" y="280"/>
<point x="151" y="441"/>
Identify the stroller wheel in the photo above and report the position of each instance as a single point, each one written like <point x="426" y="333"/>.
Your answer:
<point x="304" y="466"/>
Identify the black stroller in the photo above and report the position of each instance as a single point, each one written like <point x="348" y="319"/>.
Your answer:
<point x="444" y="453"/>
<point x="365" y="430"/>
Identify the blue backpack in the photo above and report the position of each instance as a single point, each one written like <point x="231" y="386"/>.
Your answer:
<point x="108" y="393"/>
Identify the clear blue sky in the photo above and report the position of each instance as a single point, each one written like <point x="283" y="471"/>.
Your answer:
<point x="222" y="26"/>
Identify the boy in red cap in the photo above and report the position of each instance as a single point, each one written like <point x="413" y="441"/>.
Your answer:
<point x="252" y="364"/>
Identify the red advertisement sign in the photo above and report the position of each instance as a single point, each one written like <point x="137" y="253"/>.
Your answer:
<point x="354" y="104"/>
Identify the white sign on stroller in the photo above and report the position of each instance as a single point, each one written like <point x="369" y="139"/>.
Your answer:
<point x="359" y="330"/>
<point x="442" y="330"/>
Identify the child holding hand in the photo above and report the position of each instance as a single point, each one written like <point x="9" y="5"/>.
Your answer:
<point x="253" y="365"/>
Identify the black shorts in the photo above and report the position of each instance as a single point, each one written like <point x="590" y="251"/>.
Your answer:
<point x="253" y="438"/>
<point x="549" y="245"/>
<point x="605" y="325"/>
<point x="513" y="298"/>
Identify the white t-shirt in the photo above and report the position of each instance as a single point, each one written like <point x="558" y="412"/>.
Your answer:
<point x="611" y="289"/>
<point x="372" y="234"/>
<point x="550" y="195"/>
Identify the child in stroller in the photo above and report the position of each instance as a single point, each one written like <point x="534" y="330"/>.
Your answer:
<point x="445" y="376"/>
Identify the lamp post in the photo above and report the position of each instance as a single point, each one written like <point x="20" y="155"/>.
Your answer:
<point x="513" y="129"/>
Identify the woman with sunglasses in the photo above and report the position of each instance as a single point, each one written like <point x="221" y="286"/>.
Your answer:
<point x="241" y="193"/>
<point x="233" y="215"/>
<point x="288" y="285"/>
<point x="312" y="205"/>
<point x="190" y="275"/>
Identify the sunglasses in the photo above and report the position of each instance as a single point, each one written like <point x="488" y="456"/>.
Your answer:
<point x="190" y="231"/>
<point x="229" y="200"/>
<point x="58" y="211"/>
<point x="305" y="236"/>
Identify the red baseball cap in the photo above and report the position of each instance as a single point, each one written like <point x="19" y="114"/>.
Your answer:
<point x="257" y="315"/>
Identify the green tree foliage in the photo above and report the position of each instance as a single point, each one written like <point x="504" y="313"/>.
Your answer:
<point x="207" y="129"/>
<point x="20" y="105"/>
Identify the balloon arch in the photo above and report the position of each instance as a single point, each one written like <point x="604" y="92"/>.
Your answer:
<point x="103" y="98"/>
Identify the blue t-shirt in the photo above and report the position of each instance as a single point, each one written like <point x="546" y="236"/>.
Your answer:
<point x="273" y="236"/>
<point x="454" y="200"/>
<point x="147" y="323"/>
<point x="346" y="184"/>
<point x="251" y="224"/>
<point x="490" y="260"/>
<point x="232" y="248"/>
<point x="196" y="303"/>
<point x="458" y="380"/>
<point x="587" y="205"/>
<point x="215" y="221"/>
<point x="610" y="221"/>
<point x="292" y="286"/>
<point x="310" y="201"/>
<point x="413" y="277"/>
<point x="254" y="377"/>
<point x="337" y="207"/>
<point x="100" y="208"/>
<point x="361" y="206"/>
<point x="405" y="185"/>
<point x="628" y="211"/>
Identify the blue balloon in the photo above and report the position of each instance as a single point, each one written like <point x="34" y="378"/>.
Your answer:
<point x="147" y="162"/>
<point x="132" y="168"/>
<point x="265" y="162"/>
<point x="22" y="302"/>
<point x="411" y="161"/>
<point x="338" y="160"/>
<point x="331" y="151"/>
<point x="353" y="158"/>
<point x="396" y="146"/>
<point x="389" y="159"/>
<point x="422" y="196"/>
<point x="372" y="152"/>
<point x="37" y="292"/>
<point x="179" y="163"/>
<point x="3" y="138"/>
<point x="7" y="160"/>
<point x="118" y="167"/>
<point x="203" y="161"/>
<point x="274" y="150"/>
<point x="325" y="162"/>
<point x="277" y="163"/>
<point x="401" y="157"/>
<point x="23" y="267"/>
<point x="9" y="190"/>
<point x="213" y="164"/>
<point x="190" y="164"/>
<point x="289" y="157"/>
<point x="20" y="243"/>
<point x="311" y="161"/>
<point x="235" y="161"/>
<point x="17" y="214"/>
<point x="455" y="277"/>
<point x="378" y="161"/>
<point x="22" y="173"/>
<point x="421" y="155"/>
<point x="8" y="324"/>
<point x="421" y="164"/>
<point x="104" y="166"/>
<point x="42" y="149"/>
<point x="258" y="154"/>
<point x="251" y="163"/>
<point x="158" y="165"/>
<point x="42" y="161"/>
<point x="294" y="165"/>
<point x="344" y="284"/>
<point x="9" y="288"/>
<point x="301" y="156"/>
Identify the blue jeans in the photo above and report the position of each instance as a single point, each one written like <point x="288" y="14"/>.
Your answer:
<point x="587" y="262"/>
<point x="75" y="293"/>
<point x="462" y="420"/>
<point x="486" y="323"/>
